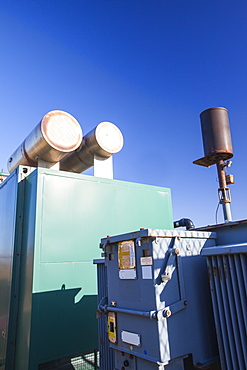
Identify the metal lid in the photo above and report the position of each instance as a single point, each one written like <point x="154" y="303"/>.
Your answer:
<point x="109" y="137"/>
<point x="61" y="131"/>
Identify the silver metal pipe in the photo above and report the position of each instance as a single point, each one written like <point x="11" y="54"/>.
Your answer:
<point x="227" y="212"/>
<point x="148" y="314"/>
<point x="101" y="142"/>
<point x="57" y="134"/>
<point x="224" y="192"/>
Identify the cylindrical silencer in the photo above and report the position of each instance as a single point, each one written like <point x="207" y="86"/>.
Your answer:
<point x="57" y="134"/>
<point x="216" y="134"/>
<point x="103" y="141"/>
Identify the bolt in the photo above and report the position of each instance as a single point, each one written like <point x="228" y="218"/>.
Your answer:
<point x="154" y="315"/>
<point x="185" y="303"/>
<point x="177" y="251"/>
<point x="126" y="363"/>
<point x="166" y="313"/>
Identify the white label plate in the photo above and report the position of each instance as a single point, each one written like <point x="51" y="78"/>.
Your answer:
<point x="127" y="274"/>
<point x="146" y="272"/>
<point x="146" y="261"/>
<point x="131" y="338"/>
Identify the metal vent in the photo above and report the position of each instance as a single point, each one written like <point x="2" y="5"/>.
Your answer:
<point x="227" y="268"/>
<point x="106" y="358"/>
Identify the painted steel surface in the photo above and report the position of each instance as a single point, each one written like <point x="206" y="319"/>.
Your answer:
<point x="24" y="332"/>
<point x="65" y="215"/>
<point x="106" y="353"/>
<point x="3" y="176"/>
<point x="8" y="201"/>
<point x="226" y="234"/>
<point x="165" y="306"/>
<point x="228" y="286"/>
<point x="227" y="267"/>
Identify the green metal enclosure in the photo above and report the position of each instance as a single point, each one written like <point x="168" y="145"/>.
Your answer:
<point x="51" y="223"/>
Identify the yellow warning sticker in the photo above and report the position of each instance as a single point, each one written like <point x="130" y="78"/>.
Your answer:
<point x="112" y="330"/>
<point x="126" y="255"/>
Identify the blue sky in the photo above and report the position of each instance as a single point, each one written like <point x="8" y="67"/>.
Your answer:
<point x="148" y="66"/>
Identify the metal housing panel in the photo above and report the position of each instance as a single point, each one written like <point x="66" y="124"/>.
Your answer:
<point x="106" y="353"/>
<point x="8" y="201"/>
<point x="173" y="307"/>
<point x="228" y="282"/>
<point x="65" y="215"/>
<point x="24" y="318"/>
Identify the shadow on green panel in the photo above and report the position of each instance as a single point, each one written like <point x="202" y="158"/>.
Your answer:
<point x="61" y="327"/>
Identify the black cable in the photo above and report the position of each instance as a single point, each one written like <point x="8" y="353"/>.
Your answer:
<point x="216" y="213"/>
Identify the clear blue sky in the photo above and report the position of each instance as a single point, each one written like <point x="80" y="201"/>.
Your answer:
<point x="150" y="67"/>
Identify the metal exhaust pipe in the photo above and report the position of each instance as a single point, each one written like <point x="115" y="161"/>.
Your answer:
<point x="102" y="142"/>
<point x="57" y="134"/>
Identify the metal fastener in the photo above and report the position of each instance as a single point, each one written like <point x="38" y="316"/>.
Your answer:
<point x="166" y="313"/>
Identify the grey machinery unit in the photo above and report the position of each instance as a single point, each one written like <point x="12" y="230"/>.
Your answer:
<point x="158" y="305"/>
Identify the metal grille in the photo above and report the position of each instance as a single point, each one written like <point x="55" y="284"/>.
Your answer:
<point x="228" y="281"/>
<point x="106" y="353"/>
<point x="89" y="361"/>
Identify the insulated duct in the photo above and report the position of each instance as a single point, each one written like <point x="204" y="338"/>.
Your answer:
<point x="101" y="142"/>
<point x="57" y="134"/>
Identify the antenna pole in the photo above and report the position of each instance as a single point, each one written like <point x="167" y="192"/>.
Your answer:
<point x="217" y="145"/>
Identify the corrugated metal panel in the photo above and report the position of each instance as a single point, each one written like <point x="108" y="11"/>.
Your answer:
<point x="106" y="353"/>
<point x="228" y="281"/>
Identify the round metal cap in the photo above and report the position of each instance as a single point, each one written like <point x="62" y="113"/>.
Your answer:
<point x="61" y="131"/>
<point x="109" y="137"/>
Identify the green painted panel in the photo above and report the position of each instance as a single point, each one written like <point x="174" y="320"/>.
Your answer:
<point x="8" y="201"/>
<point x="23" y="337"/>
<point x="60" y="276"/>
<point x="60" y="327"/>
<point x="65" y="217"/>
<point x="76" y="212"/>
